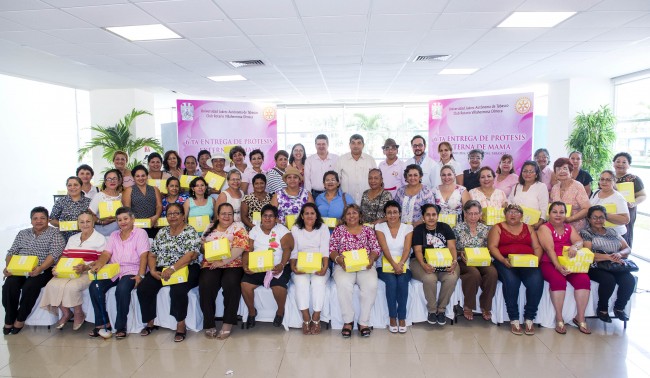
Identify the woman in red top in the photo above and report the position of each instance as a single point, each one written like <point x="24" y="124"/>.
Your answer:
<point x="64" y="293"/>
<point x="554" y="236"/>
<point x="515" y="237"/>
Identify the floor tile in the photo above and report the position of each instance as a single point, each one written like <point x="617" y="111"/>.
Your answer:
<point x="185" y="363"/>
<point x="456" y="364"/>
<point x="44" y="361"/>
<point x="382" y="341"/>
<point x="612" y="365"/>
<point x="245" y="364"/>
<point x="532" y="365"/>
<point x="327" y="341"/>
<point x="261" y="338"/>
<point x="373" y="365"/>
<point x="112" y="361"/>
<point x="315" y="364"/>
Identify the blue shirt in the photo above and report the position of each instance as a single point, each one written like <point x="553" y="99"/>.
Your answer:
<point x="333" y="209"/>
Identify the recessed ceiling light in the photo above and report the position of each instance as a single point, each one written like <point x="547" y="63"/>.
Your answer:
<point x="227" y="78"/>
<point x="534" y="19"/>
<point x="458" y="71"/>
<point x="144" y="32"/>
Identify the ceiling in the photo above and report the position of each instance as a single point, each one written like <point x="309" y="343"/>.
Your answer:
<point x="320" y="51"/>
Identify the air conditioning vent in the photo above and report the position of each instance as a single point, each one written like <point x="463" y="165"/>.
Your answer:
<point x="426" y="58"/>
<point x="246" y="63"/>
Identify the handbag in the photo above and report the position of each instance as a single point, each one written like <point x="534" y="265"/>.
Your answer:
<point x="612" y="267"/>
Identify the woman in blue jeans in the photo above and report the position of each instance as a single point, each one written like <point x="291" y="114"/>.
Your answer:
<point x="515" y="237"/>
<point x="129" y="248"/>
<point x="394" y="238"/>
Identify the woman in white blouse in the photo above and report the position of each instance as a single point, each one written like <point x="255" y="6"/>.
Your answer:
<point x="486" y="194"/>
<point x="310" y="235"/>
<point x="606" y="195"/>
<point x="531" y="192"/>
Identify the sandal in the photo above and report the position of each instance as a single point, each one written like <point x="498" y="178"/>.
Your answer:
<point x="97" y="332"/>
<point x="515" y="328"/>
<point x="211" y="333"/>
<point x="468" y="314"/>
<point x="315" y="327"/>
<point x="365" y="331"/>
<point x="306" y="328"/>
<point x="530" y="327"/>
<point x="223" y="335"/>
<point x="582" y="326"/>
<point x="146" y="331"/>
<point x="487" y="315"/>
<point x="120" y="335"/>
<point x="179" y="336"/>
<point x="347" y="332"/>
<point x="560" y="327"/>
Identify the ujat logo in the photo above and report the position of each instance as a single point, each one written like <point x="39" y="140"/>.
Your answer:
<point x="436" y="110"/>
<point x="187" y="111"/>
<point x="523" y="105"/>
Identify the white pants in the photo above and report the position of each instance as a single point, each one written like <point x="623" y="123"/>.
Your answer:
<point x="367" y="282"/>
<point x="305" y="283"/>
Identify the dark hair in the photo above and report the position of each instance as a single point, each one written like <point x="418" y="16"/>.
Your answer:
<point x="537" y="171"/>
<point x="193" y="184"/>
<point x="625" y="155"/>
<point x="393" y="203"/>
<point x="556" y="203"/>
<point x="486" y="168"/>
<point x="185" y="162"/>
<point x="139" y="167"/>
<point x="424" y="141"/>
<point x="357" y="137"/>
<point x="39" y="209"/>
<point x="124" y="210"/>
<point x="594" y="208"/>
<point x="472" y="203"/>
<point x="216" y="218"/>
<point x="355" y="207"/>
<point x="412" y="166"/>
<point x="152" y="156"/>
<point x="259" y="176"/>
<point x="512" y="162"/>
<point x="172" y="178"/>
<point x="476" y="151"/>
<point x="256" y="151"/>
<point x="236" y="149"/>
<point x="300" y="222"/>
<point x="85" y="167"/>
<point x="451" y="154"/>
<point x="304" y="154"/>
<point x="539" y="151"/>
<point x="563" y="161"/>
<point x="167" y="155"/>
<point x="280" y="153"/>
<point x="268" y="206"/>
<point x="203" y="152"/>
<point x="427" y="206"/>
<point x="77" y="179"/>
<point x="322" y="136"/>
<point x="175" y="204"/>
<point x="333" y="173"/>
<point x="119" y="177"/>
<point x="575" y="152"/>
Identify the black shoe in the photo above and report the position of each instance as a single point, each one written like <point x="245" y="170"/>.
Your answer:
<point x="441" y="318"/>
<point x="431" y="318"/>
<point x="16" y="330"/>
<point x="621" y="315"/>
<point x="604" y="316"/>
<point x="250" y="321"/>
<point x="6" y="331"/>
<point x="277" y="321"/>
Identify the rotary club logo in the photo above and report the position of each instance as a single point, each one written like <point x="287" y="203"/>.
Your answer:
<point x="269" y="113"/>
<point x="523" y="105"/>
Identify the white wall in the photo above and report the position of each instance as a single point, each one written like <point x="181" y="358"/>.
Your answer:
<point x="40" y="131"/>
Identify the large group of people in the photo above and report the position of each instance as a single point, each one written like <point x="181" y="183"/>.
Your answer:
<point x="364" y="222"/>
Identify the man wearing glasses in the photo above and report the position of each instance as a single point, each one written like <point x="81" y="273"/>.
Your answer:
<point x="419" y="146"/>
<point x="392" y="169"/>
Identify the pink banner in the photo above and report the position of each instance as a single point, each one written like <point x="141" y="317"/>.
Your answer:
<point x="496" y="124"/>
<point x="212" y="125"/>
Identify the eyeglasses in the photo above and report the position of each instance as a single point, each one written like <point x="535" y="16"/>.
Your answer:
<point x="268" y="216"/>
<point x="472" y="214"/>
<point x="418" y="145"/>
<point x="605" y="179"/>
<point x="474" y="158"/>
<point x="598" y="218"/>
<point x="513" y="211"/>
<point x="174" y="214"/>
<point x="111" y="179"/>
<point x="527" y="172"/>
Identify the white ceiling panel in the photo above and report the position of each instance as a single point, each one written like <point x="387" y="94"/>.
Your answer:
<point x="402" y="22"/>
<point x="337" y="39"/>
<point x="31" y="37"/>
<point x="170" y="46"/>
<point x="183" y="10"/>
<point x="624" y="35"/>
<point x="331" y="24"/>
<point x="547" y="46"/>
<point x="496" y="46"/>
<point x="514" y="34"/>
<point x="137" y="59"/>
<point x="407" y="6"/>
<point x="63" y="49"/>
<point x="94" y="59"/>
<point x="238" y="54"/>
<point x="342" y="59"/>
<point x="45" y="19"/>
<point x="258" y="8"/>
<point x="557" y="5"/>
<point x="224" y="43"/>
<point x="23" y="5"/>
<point x="481" y="5"/>
<point x="308" y="8"/>
<point x="287" y="52"/>
<point x="571" y="35"/>
<point x="602" y="46"/>
<point x="469" y="20"/>
<point x="82" y="3"/>
<point x="641" y="22"/>
<point x="385" y="58"/>
<point x="616" y="5"/>
<point x="281" y="40"/>
<point x="114" y="48"/>
<point x="94" y="35"/>
<point x="599" y="19"/>
<point x="6" y="25"/>
<point x="206" y="29"/>
<point x="113" y="15"/>
<point x="337" y="50"/>
<point x="270" y="26"/>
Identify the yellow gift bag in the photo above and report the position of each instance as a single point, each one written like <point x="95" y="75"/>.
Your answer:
<point x="330" y="222"/>
<point x="199" y="223"/>
<point x="387" y="268"/>
<point x="356" y="260"/>
<point x="583" y="255"/>
<point x="142" y="223"/>
<point x="162" y="222"/>
<point x="478" y="256"/>
<point x="22" y="265"/>
<point x="438" y="257"/>
<point x="493" y="215"/>
<point x="108" y="208"/>
<point x="450" y="219"/>
<point x="68" y="226"/>
<point x="179" y="276"/>
<point x="65" y="267"/>
<point x="523" y="261"/>
<point x="260" y="261"/>
<point x="186" y="180"/>
<point x="217" y="250"/>
<point x="531" y="216"/>
<point x="107" y="272"/>
<point x="290" y="220"/>
<point x="611" y="209"/>
<point x="627" y="190"/>
<point x="573" y="265"/>
<point x="309" y="262"/>
<point x="160" y="184"/>
<point x="214" y="180"/>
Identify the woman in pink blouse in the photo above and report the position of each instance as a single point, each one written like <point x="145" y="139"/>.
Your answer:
<point x="506" y="177"/>
<point x="350" y="236"/>
<point x="486" y="194"/>
<point x="571" y="192"/>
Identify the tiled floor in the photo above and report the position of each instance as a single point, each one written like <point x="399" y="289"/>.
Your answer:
<point x="467" y="349"/>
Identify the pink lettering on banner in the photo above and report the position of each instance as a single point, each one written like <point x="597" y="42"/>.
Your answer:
<point x="496" y="124"/>
<point x="213" y="125"/>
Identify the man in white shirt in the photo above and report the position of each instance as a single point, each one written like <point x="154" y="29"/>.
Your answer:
<point x="392" y="169"/>
<point x="419" y="146"/>
<point x="353" y="169"/>
<point x="317" y="164"/>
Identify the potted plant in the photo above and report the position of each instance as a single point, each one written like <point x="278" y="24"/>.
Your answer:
<point x="594" y="136"/>
<point x="120" y="138"/>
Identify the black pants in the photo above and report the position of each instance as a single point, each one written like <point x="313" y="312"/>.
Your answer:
<point x="210" y="281"/>
<point x="17" y="307"/>
<point x="148" y="293"/>
<point x="607" y="282"/>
